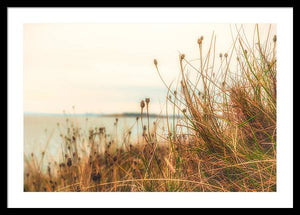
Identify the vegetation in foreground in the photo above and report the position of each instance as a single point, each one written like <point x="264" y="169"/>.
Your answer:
<point x="223" y="141"/>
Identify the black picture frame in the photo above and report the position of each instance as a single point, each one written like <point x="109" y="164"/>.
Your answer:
<point x="217" y="3"/>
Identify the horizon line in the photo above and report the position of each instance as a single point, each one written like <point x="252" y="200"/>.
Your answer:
<point x="127" y="114"/>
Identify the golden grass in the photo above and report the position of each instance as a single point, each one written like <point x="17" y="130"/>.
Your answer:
<point x="222" y="136"/>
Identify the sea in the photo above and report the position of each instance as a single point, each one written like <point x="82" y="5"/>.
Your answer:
<point x="43" y="133"/>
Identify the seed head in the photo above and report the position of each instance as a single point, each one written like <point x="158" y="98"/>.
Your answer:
<point x="96" y="177"/>
<point x="200" y="40"/>
<point x="182" y="56"/>
<point x="69" y="162"/>
<point x="142" y="104"/>
<point x="275" y="38"/>
<point x="220" y="55"/>
<point x="147" y="100"/>
<point x="155" y="62"/>
<point x="226" y="55"/>
<point x="101" y="130"/>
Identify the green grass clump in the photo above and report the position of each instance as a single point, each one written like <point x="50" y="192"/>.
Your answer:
<point x="221" y="138"/>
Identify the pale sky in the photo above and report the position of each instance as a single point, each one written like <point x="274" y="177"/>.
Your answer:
<point x="108" y="68"/>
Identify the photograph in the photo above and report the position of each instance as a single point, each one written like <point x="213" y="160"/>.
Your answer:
<point x="150" y="107"/>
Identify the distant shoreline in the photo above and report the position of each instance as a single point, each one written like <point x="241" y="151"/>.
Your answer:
<point x="96" y="115"/>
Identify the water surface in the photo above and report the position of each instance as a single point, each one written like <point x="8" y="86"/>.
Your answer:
<point x="42" y="133"/>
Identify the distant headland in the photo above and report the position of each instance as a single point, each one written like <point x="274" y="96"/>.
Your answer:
<point x="125" y="114"/>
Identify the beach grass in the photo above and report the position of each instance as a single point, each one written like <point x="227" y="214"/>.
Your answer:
<point x="220" y="136"/>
